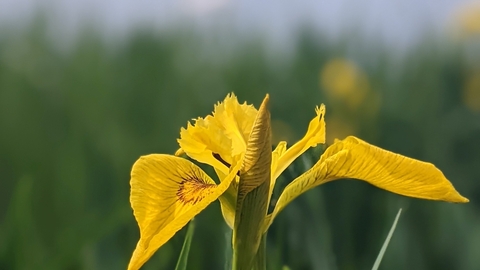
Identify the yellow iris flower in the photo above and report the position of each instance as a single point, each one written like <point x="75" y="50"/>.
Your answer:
<point x="168" y="191"/>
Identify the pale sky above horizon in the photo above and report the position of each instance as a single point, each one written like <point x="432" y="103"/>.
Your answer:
<point x="395" y="21"/>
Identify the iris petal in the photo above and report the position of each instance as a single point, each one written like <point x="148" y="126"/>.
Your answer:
<point x="392" y="172"/>
<point x="236" y="120"/>
<point x="276" y="154"/>
<point x="354" y="158"/>
<point x="223" y="134"/>
<point x="228" y="200"/>
<point x="204" y="139"/>
<point x="166" y="193"/>
<point x="315" y="135"/>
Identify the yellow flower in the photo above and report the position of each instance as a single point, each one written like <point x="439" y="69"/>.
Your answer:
<point x="168" y="191"/>
<point x="468" y="19"/>
<point x="344" y="81"/>
<point x="471" y="92"/>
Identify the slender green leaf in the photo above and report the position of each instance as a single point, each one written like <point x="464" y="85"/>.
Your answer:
<point x="385" y="244"/>
<point x="182" y="260"/>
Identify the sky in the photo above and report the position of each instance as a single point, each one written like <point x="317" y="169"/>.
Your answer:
<point x="398" y="22"/>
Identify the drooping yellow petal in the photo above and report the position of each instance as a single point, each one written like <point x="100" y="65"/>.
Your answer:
<point x="315" y="176"/>
<point x="354" y="158"/>
<point x="315" y="135"/>
<point x="393" y="172"/>
<point x="166" y="193"/>
<point x="253" y="190"/>
<point x="217" y="139"/>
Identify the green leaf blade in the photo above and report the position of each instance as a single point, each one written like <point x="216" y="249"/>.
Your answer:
<point x="385" y="244"/>
<point x="183" y="258"/>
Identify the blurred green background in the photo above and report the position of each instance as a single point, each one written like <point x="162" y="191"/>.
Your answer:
<point x="72" y="123"/>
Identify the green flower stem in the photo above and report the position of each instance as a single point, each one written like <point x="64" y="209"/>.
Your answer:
<point x="260" y="260"/>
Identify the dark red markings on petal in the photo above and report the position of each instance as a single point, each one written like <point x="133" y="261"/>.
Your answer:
<point x="193" y="189"/>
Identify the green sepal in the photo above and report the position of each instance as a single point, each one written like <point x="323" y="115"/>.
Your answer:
<point x="253" y="190"/>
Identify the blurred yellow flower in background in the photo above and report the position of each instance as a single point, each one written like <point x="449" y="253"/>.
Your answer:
<point x="471" y="91"/>
<point x="338" y="128"/>
<point x="343" y="81"/>
<point x="468" y="19"/>
<point x="347" y="87"/>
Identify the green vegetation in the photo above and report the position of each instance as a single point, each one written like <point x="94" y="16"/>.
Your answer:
<point x="72" y="122"/>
